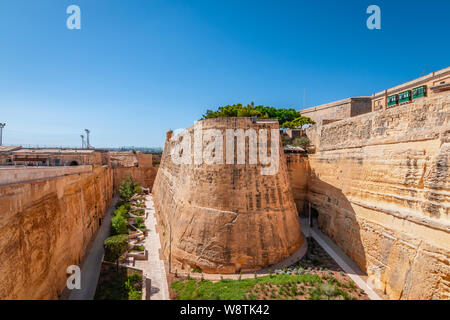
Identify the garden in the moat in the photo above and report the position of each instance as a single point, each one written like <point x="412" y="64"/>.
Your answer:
<point x="315" y="277"/>
<point x="117" y="280"/>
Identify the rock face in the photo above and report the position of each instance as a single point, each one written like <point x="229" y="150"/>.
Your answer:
<point x="45" y="226"/>
<point x="225" y="218"/>
<point x="298" y="171"/>
<point x="380" y="184"/>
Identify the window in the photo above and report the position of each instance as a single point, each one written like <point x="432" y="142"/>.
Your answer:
<point x="392" y="100"/>
<point x="404" y="96"/>
<point x="419" y="92"/>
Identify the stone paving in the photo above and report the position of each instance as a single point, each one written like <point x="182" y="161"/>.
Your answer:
<point x="153" y="268"/>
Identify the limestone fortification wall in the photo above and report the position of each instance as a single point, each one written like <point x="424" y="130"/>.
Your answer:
<point x="298" y="171"/>
<point x="225" y="218"/>
<point x="137" y="165"/>
<point x="45" y="226"/>
<point x="380" y="183"/>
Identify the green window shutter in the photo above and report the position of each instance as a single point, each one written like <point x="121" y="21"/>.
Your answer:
<point x="419" y="92"/>
<point x="392" y="100"/>
<point x="404" y="96"/>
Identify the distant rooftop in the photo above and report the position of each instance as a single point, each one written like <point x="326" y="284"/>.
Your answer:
<point x="9" y="148"/>
<point x="55" y="150"/>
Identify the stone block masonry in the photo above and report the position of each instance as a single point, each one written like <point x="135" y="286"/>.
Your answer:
<point x="380" y="184"/>
<point x="45" y="226"/>
<point x="225" y="218"/>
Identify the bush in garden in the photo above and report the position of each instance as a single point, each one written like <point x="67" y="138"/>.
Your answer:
<point x="115" y="247"/>
<point x="138" y="189"/>
<point x="119" y="225"/>
<point x="126" y="189"/>
<point x="139" y="220"/>
<point x="302" y="142"/>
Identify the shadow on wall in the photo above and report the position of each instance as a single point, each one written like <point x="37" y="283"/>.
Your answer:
<point x="336" y="217"/>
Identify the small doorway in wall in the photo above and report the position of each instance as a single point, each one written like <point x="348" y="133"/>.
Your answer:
<point x="74" y="163"/>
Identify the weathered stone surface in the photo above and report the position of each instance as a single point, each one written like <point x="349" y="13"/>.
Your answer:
<point x="137" y="165"/>
<point x="45" y="226"/>
<point x="225" y="218"/>
<point x="380" y="183"/>
<point x="298" y="171"/>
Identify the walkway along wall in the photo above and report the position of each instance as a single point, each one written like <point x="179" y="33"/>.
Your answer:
<point x="45" y="226"/>
<point x="380" y="183"/>
<point x="225" y="218"/>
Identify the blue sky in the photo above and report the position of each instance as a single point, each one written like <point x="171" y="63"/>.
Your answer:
<point x="139" y="68"/>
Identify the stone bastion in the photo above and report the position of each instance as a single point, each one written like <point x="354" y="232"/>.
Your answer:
<point x="225" y="217"/>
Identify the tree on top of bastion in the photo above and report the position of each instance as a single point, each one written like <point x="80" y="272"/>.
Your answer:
<point x="287" y="118"/>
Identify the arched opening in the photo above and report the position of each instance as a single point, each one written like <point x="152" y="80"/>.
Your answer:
<point x="74" y="163"/>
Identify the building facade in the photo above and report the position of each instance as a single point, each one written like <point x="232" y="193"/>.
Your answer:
<point x="338" y="110"/>
<point x="434" y="84"/>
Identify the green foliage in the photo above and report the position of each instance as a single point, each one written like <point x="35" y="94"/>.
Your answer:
<point x="234" y="289"/>
<point x="327" y="291"/>
<point x="197" y="270"/>
<point x="137" y="189"/>
<point x="288" y="118"/>
<point x="115" y="247"/>
<point x="126" y="189"/>
<point x="121" y="211"/>
<point x="121" y="284"/>
<point x="134" y="287"/>
<point x="297" y="122"/>
<point x="119" y="225"/>
<point x="301" y="142"/>
<point x="139" y="248"/>
<point x="139" y="220"/>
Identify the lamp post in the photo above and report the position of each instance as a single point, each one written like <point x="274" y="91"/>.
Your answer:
<point x="88" y="145"/>
<point x="2" y="125"/>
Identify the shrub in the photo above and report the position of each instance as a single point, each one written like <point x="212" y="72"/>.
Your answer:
<point x="302" y="142"/>
<point x="197" y="270"/>
<point x="121" y="211"/>
<point x="139" y="248"/>
<point x="115" y="247"/>
<point x="139" y="220"/>
<point x="133" y="286"/>
<point x="137" y="189"/>
<point x="118" y="225"/>
<point x="126" y="189"/>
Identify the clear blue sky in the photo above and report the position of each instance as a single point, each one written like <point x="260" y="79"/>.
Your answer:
<point x="139" y="68"/>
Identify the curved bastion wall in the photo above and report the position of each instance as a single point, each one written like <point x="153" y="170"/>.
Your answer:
<point x="225" y="217"/>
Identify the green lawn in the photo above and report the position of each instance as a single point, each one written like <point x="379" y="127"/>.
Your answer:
<point x="280" y="286"/>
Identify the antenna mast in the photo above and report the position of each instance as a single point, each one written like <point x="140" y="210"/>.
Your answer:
<point x="88" y="145"/>
<point x="2" y="125"/>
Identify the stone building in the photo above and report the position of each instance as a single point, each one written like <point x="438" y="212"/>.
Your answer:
<point x="433" y="84"/>
<point x="57" y="157"/>
<point x="338" y="110"/>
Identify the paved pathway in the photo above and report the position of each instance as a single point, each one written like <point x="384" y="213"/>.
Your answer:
<point x="292" y="259"/>
<point x="90" y="270"/>
<point x="153" y="268"/>
<point x="349" y="267"/>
